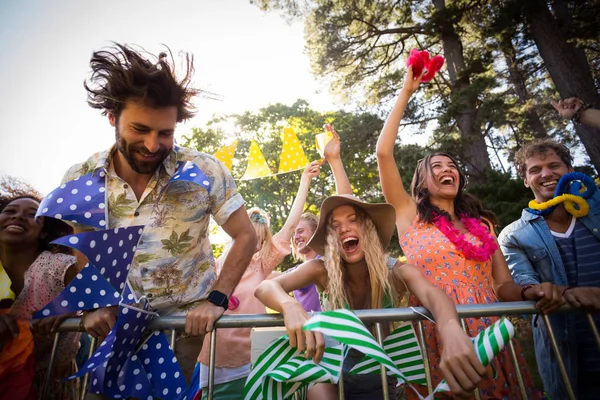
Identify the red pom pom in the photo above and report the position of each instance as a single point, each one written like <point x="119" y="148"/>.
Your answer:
<point x="420" y="60"/>
<point x="416" y="60"/>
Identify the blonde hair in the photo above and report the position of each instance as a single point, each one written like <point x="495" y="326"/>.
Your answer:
<point x="261" y="223"/>
<point x="375" y="258"/>
<point x="313" y="221"/>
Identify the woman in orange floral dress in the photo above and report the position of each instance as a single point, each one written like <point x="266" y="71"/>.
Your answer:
<point x="449" y="234"/>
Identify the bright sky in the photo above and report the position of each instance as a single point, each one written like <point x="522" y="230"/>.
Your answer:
<point x="250" y="58"/>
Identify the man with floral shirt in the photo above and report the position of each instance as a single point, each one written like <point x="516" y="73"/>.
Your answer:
<point x="142" y="174"/>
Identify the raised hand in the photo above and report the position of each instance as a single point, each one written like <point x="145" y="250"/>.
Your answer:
<point x="332" y="148"/>
<point x="567" y="108"/>
<point x="411" y="82"/>
<point x="312" y="170"/>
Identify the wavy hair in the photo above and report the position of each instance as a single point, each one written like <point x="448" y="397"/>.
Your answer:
<point x="541" y="147"/>
<point x="52" y="228"/>
<point x="464" y="203"/>
<point x="122" y="73"/>
<point x="313" y="221"/>
<point x="375" y="258"/>
<point x="261" y="223"/>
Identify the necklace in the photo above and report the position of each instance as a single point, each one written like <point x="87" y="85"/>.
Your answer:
<point x="474" y="226"/>
<point x="572" y="190"/>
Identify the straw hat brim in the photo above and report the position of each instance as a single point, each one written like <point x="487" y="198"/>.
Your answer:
<point x="383" y="216"/>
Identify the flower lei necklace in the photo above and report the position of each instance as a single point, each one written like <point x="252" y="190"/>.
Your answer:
<point x="572" y="189"/>
<point x="474" y="226"/>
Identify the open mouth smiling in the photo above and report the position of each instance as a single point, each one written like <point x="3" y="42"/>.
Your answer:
<point x="350" y="244"/>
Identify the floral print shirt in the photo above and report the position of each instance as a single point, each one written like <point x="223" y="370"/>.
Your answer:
<point x="173" y="264"/>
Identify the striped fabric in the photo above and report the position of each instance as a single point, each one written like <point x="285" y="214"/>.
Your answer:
<point x="488" y="344"/>
<point x="404" y="350"/>
<point x="282" y="370"/>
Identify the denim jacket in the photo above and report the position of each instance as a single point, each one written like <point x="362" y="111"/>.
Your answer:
<point x="533" y="257"/>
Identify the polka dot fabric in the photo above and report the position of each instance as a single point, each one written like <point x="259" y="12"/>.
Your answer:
<point x="82" y="200"/>
<point x="190" y="172"/>
<point x="88" y="290"/>
<point x="132" y="379"/>
<point x="163" y="370"/>
<point x="111" y="251"/>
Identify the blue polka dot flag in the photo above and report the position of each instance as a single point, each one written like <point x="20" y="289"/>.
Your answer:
<point x="99" y="284"/>
<point x="161" y="365"/>
<point x="111" y="251"/>
<point x="88" y="290"/>
<point x="82" y="200"/>
<point x="190" y="172"/>
<point x="119" y="372"/>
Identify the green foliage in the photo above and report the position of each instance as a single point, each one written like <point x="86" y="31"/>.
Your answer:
<point x="504" y="195"/>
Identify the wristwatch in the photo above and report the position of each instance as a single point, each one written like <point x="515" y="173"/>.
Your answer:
<point x="218" y="299"/>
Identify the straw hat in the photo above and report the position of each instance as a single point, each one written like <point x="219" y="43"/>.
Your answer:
<point x="382" y="214"/>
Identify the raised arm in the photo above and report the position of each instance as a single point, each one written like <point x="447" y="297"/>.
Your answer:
<point x="459" y="364"/>
<point x="273" y="293"/>
<point x="391" y="181"/>
<point x="312" y="170"/>
<point x="332" y="155"/>
<point x="575" y="110"/>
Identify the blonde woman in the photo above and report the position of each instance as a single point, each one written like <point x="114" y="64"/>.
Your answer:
<point x="232" y="361"/>
<point x="351" y="237"/>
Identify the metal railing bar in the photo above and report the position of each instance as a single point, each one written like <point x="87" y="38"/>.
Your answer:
<point x="384" y="381"/>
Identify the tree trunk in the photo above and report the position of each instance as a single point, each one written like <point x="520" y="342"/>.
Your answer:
<point x="517" y="78"/>
<point x="568" y="68"/>
<point x="475" y="154"/>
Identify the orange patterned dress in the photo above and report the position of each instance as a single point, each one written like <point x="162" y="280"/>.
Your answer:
<point x="466" y="282"/>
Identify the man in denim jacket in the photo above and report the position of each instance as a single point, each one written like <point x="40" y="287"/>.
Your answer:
<point x="564" y="250"/>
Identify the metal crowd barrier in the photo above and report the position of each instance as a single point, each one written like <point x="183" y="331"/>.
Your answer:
<point x="375" y="317"/>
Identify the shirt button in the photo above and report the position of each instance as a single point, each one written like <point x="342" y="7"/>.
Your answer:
<point x="136" y="213"/>
<point x="535" y="257"/>
<point x="595" y="229"/>
<point x="141" y="242"/>
<point x="125" y="186"/>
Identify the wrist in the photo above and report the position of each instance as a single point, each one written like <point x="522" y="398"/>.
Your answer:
<point x="524" y="289"/>
<point x="567" y="288"/>
<point x="448" y="327"/>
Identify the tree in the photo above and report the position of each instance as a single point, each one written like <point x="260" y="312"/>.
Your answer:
<point x="567" y="63"/>
<point x="275" y="194"/>
<point x="361" y="45"/>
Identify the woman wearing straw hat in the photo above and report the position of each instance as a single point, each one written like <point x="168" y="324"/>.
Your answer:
<point x="351" y="237"/>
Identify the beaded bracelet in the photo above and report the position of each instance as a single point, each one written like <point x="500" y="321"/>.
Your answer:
<point x="567" y="288"/>
<point x="523" y="290"/>
<point x="577" y="116"/>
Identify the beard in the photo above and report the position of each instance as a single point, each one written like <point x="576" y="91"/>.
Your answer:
<point x="129" y="150"/>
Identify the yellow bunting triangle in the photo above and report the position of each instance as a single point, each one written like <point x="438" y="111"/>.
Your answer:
<point x="225" y="154"/>
<point x="5" y="283"/>
<point x="257" y="165"/>
<point x="292" y="154"/>
<point x="321" y="141"/>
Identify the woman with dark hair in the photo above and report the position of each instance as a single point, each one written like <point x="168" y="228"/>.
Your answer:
<point x="38" y="271"/>
<point x="449" y="235"/>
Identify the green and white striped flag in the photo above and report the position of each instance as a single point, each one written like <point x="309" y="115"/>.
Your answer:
<point x="488" y="343"/>
<point x="403" y="348"/>
<point x="282" y="370"/>
<point x="345" y="327"/>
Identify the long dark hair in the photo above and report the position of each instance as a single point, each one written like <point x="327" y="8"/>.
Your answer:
<point x="464" y="203"/>
<point x="121" y="74"/>
<point x="53" y="228"/>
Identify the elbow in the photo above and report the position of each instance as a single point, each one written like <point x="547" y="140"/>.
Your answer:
<point x="384" y="152"/>
<point x="261" y="289"/>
